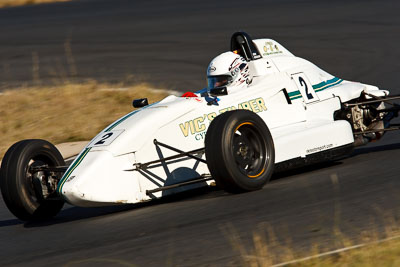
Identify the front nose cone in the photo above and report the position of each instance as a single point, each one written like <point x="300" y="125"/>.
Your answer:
<point x="71" y="194"/>
<point x="100" y="179"/>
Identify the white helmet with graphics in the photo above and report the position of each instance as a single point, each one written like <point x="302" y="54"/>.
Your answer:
<point x="228" y="69"/>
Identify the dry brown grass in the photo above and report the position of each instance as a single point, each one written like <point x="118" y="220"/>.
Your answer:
<point x="69" y="112"/>
<point x="10" y="3"/>
<point x="375" y="252"/>
<point x="372" y="247"/>
<point x="378" y="254"/>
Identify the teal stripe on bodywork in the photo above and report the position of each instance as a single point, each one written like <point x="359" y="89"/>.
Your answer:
<point x="324" y="85"/>
<point x="112" y="126"/>
<point x="71" y="169"/>
<point x="115" y="124"/>
<point x="295" y="93"/>
<point x="79" y="159"/>
<point x="317" y="87"/>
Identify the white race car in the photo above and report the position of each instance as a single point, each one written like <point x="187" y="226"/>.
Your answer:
<point x="264" y="110"/>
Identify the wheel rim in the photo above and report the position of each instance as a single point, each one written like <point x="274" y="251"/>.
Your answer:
<point x="249" y="150"/>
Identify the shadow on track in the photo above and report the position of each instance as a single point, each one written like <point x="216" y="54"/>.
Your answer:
<point x="305" y="169"/>
<point x="78" y="213"/>
<point x="11" y="222"/>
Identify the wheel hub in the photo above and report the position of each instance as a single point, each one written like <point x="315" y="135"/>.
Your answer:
<point x="246" y="149"/>
<point x="243" y="150"/>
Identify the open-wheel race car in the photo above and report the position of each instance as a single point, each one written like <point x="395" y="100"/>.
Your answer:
<point x="264" y="110"/>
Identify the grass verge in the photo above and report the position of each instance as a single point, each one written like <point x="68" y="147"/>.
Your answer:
<point x="372" y="248"/>
<point x="11" y="3"/>
<point x="385" y="253"/>
<point x="70" y="112"/>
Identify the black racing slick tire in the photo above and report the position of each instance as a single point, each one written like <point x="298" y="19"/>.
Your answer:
<point x="16" y="179"/>
<point x="239" y="151"/>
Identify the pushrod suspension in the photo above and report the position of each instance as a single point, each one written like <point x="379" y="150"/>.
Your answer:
<point x="180" y="154"/>
<point x="188" y="154"/>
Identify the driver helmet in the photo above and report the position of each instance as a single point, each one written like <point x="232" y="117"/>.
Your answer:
<point x="228" y="69"/>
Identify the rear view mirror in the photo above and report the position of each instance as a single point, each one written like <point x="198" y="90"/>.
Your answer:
<point x="139" y="103"/>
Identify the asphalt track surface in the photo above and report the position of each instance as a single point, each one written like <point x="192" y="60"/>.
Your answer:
<point x="170" y="45"/>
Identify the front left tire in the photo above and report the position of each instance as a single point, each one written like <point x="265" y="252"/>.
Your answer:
<point x="21" y="189"/>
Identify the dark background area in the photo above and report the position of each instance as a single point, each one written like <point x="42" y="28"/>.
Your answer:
<point x="169" y="44"/>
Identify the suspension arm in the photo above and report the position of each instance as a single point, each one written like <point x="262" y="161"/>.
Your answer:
<point x="50" y="169"/>
<point x="373" y="101"/>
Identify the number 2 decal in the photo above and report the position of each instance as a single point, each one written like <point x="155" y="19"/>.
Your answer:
<point x="106" y="138"/>
<point x="304" y="84"/>
<point x="304" y="87"/>
<point x="103" y="139"/>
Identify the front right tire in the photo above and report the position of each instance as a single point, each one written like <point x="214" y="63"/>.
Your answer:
<point x="239" y="151"/>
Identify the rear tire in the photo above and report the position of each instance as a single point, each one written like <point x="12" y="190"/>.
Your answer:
<point x="239" y="151"/>
<point x="17" y="182"/>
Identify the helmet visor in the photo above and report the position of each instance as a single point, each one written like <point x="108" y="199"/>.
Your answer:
<point x="218" y="81"/>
